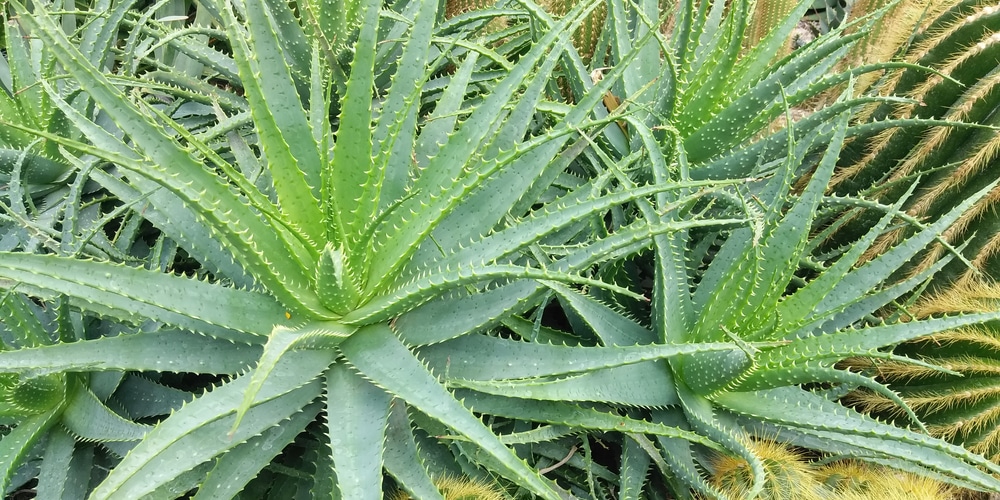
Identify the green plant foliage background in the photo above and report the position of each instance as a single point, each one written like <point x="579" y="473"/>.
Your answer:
<point x="253" y="249"/>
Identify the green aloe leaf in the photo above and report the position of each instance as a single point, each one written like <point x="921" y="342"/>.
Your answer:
<point x="447" y="183"/>
<point x="852" y="341"/>
<point x="558" y="215"/>
<point x="628" y="385"/>
<point x="199" y="431"/>
<point x="452" y="315"/>
<point x="131" y="293"/>
<point x="481" y="357"/>
<point x="139" y="397"/>
<point x="360" y="411"/>
<point x="351" y="186"/>
<point x="89" y="419"/>
<point x="880" y="268"/>
<point x="613" y="328"/>
<point x="449" y="316"/>
<point x="704" y="420"/>
<point x="18" y="311"/>
<point x="402" y="457"/>
<point x="569" y="414"/>
<point x="795" y="308"/>
<point x="393" y="158"/>
<point x="635" y="467"/>
<point x="181" y="224"/>
<point x="161" y="351"/>
<point x="377" y="353"/>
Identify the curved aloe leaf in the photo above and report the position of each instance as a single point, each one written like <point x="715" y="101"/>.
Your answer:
<point x="131" y="293"/>
<point x="162" y="351"/>
<point x="377" y="353"/>
<point x="199" y="431"/>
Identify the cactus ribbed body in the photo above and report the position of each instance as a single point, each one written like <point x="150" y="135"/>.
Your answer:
<point x="963" y="43"/>
<point x="766" y="15"/>
<point x="891" y="32"/>
<point x="790" y="475"/>
<point x="585" y="37"/>
<point x="453" y="488"/>
<point x="962" y="406"/>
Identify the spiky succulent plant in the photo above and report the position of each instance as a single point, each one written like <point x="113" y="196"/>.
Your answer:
<point x="339" y="246"/>
<point x="749" y="291"/>
<point x="387" y="260"/>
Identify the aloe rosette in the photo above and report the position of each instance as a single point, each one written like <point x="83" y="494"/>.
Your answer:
<point x="699" y="108"/>
<point x="792" y="332"/>
<point x="357" y="261"/>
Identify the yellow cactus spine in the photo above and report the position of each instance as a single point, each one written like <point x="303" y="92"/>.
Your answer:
<point x="459" y="488"/>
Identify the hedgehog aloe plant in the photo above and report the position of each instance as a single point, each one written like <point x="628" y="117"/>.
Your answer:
<point x="750" y="292"/>
<point x="378" y="232"/>
<point x="761" y="283"/>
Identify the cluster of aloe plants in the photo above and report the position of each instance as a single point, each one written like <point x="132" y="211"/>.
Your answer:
<point x="328" y="250"/>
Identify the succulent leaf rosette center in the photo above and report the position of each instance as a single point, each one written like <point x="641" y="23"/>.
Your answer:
<point x="336" y="283"/>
